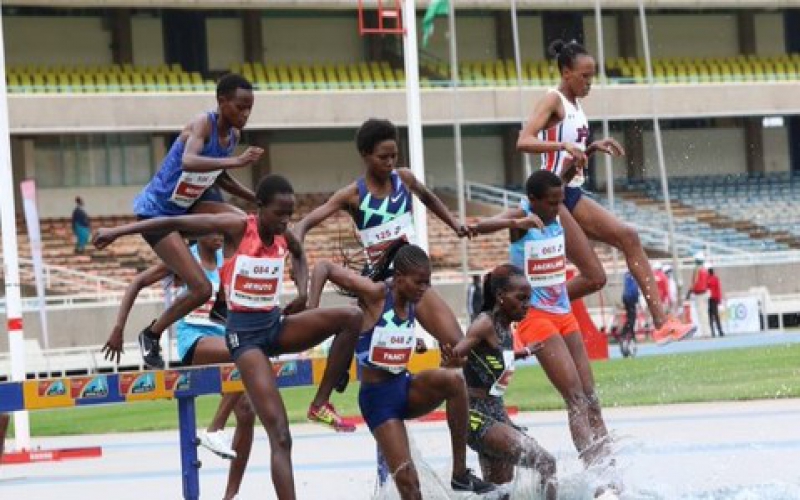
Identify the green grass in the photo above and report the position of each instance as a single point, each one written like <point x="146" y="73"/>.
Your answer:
<point x="738" y="374"/>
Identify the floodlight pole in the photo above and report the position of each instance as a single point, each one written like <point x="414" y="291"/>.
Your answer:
<point x="414" y="116"/>
<point x="662" y="169"/>
<point x="526" y="158"/>
<point x="459" y="156"/>
<point x="16" y="340"/>
<point x="609" y="167"/>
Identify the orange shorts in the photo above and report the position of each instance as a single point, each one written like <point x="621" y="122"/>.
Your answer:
<point x="538" y="326"/>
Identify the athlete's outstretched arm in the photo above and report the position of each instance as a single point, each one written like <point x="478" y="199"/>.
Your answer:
<point x="236" y="188"/>
<point x="112" y="349"/>
<point x="338" y="201"/>
<point x="430" y="200"/>
<point x="479" y="330"/>
<point x="346" y="279"/>
<point x="513" y="218"/>
<point x="299" y="274"/>
<point x="195" y="137"/>
<point x="232" y="225"/>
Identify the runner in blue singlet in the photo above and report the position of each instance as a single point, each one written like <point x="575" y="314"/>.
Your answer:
<point x="389" y="394"/>
<point x="186" y="182"/>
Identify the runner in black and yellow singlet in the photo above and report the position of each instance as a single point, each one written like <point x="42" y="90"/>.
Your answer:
<point x="488" y="350"/>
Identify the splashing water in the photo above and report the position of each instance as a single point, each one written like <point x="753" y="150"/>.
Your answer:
<point x="575" y="482"/>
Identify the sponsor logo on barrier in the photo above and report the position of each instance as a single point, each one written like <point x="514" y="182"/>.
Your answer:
<point x="177" y="380"/>
<point x="89" y="387"/>
<point x="286" y="369"/>
<point x="50" y="388"/>
<point x="136" y="383"/>
<point x="230" y="374"/>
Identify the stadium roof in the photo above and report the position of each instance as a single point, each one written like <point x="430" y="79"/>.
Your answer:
<point x="351" y="4"/>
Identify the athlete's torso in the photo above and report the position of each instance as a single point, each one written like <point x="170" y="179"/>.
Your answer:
<point x="172" y="191"/>
<point x="488" y="367"/>
<point x="380" y="221"/>
<point x="389" y="343"/>
<point x="253" y="277"/>
<point x="540" y="253"/>
<point x="574" y="128"/>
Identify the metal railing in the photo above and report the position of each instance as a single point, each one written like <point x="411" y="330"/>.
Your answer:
<point x="653" y="238"/>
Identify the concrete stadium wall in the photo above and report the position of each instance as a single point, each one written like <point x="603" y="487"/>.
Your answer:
<point x="56" y="40"/>
<point x="476" y="38"/>
<point x="225" y="43"/>
<point x="148" y="41"/>
<point x="304" y="39"/>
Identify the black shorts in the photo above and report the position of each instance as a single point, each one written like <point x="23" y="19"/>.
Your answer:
<point x="483" y="414"/>
<point x="211" y="194"/>
<point x="572" y="195"/>
<point x="255" y="330"/>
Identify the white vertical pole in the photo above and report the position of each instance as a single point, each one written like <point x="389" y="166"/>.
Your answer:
<point x="414" y="116"/>
<point x="662" y="169"/>
<point x="16" y="342"/>
<point x="609" y="167"/>
<point x="526" y="158"/>
<point x="459" y="156"/>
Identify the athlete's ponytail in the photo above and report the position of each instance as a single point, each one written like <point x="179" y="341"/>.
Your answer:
<point x="565" y="53"/>
<point x="496" y="281"/>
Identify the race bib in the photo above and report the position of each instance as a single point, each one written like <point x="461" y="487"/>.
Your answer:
<point x="256" y="282"/>
<point x="499" y="387"/>
<point x="377" y="239"/>
<point x="200" y="316"/>
<point x="391" y="347"/>
<point x="191" y="186"/>
<point x="545" y="264"/>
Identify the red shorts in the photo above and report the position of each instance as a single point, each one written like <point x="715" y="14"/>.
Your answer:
<point x="538" y="326"/>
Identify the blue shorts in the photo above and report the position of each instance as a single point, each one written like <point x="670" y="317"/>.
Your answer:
<point x="211" y="194"/>
<point x="254" y="330"/>
<point x="385" y="401"/>
<point x="572" y="196"/>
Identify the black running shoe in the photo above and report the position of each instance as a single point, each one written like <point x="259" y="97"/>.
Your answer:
<point x="341" y="385"/>
<point x="151" y="350"/>
<point x="470" y="482"/>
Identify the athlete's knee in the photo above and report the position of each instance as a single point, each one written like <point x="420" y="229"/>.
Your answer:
<point x="596" y="277"/>
<point x="628" y="238"/>
<point x="245" y="416"/>
<point x="576" y="400"/>
<point x="546" y="465"/>
<point x="454" y="381"/>
<point x="277" y="428"/>
<point x="200" y="289"/>
<point x="407" y="482"/>
<point x="354" y="318"/>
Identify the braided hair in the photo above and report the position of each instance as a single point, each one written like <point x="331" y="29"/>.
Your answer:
<point x="400" y="256"/>
<point x="497" y="280"/>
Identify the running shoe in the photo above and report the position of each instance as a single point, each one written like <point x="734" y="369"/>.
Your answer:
<point x="218" y="442"/>
<point x="326" y="414"/>
<point x="470" y="482"/>
<point x="150" y="348"/>
<point x="673" y="330"/>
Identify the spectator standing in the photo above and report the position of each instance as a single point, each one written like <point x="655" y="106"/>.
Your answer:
<point x="630" y="299"/>
<point x="474" y="298"/>
<point x="714" y="299"/>
<point x="662" y="283"/>
<point x="699" y="293"/>
<point x="673" y="289"/>
<point x="81" y="226"/>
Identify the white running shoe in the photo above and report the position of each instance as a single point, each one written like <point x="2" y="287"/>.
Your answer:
<point x="218" y="442"/>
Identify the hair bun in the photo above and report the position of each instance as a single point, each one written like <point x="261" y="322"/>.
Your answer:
<point x="556" y="46"/>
